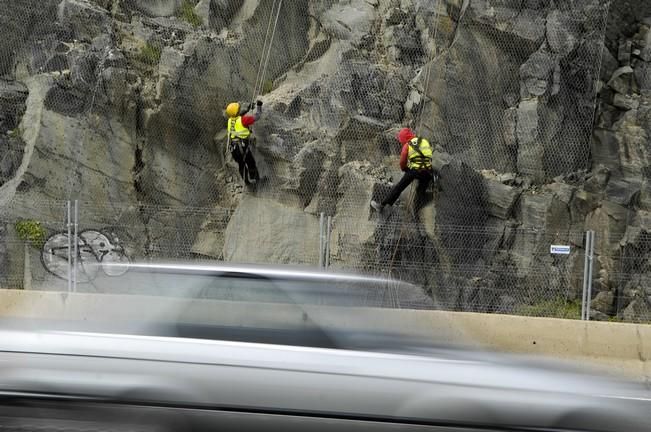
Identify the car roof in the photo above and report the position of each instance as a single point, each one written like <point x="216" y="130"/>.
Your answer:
<point x="261" y="270"/>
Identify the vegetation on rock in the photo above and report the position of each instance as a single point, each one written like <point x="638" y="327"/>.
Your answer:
<point x="150" y="54"/>
<point x="32" y="232"/>
<point x="553" y="308"/>
<point x="187" y="13"/>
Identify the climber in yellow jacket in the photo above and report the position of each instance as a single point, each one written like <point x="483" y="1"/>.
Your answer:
<point x="239" y="138"/>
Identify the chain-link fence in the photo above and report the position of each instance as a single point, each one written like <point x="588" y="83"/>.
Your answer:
<point x="501" y="270"/>
<point x="477" y="270"/>
<point x="119" y="105"/>
<point x="623" y="262"/>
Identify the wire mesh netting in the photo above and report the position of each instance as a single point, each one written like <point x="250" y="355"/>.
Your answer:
<point x="120" y="106"/>
<point x="486" y="270"/>
<point x="514" y="124"/>
<point x="23" y="253"/>
<point x="623" y="262"/>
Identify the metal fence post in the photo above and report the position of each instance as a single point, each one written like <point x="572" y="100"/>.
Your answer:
<point x="586" y="265"/>
<point x="327" y="242"/>
<point x="69" y="226"/>
<point x="587" y="275"/>
<point x="321" y="241"/>
<point x="590" y="274"/>
<point x="76" y="246"/>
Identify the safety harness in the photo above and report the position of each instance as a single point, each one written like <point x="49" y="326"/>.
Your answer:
<point x="238" y="135"/>
<point x="421" y="161"/>
<point x="236" y="129"/>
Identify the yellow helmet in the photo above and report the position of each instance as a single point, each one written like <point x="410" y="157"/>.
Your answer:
<point x="233" y="109"/>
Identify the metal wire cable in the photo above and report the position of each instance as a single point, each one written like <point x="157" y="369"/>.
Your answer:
<point x="419" y="129"/>
<point x="273" y="34"/>
<point x="264" y="47"/>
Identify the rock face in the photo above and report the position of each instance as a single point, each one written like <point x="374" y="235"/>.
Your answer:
<point x="621" y="145"/>
<point x="271" y="243"/>
<point x="119" y="105"/>
<point x="12" y="107"/>
<point x="545" y="56"/>
<point x="12" y="104"/>
<point x="16" y="60"/>
<point x="85" y="20"/>
<point x="155" y="8"/>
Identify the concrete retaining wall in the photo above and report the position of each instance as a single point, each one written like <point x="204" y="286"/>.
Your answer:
<point x="618" y="348"/>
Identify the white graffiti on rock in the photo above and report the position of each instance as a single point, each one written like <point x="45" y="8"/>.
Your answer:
<point x="95" y="251"/>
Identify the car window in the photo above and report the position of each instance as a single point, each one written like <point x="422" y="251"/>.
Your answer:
<point x="358" y="292"/>
<point x="189" y="285"/>
<point x="243" y="287"/>
<point x="309" y="289"/>
<point x="232" y="306"/>
<point x="299" y="308"/>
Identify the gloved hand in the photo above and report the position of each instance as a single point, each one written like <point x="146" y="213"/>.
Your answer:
<point x="258" y="103"/>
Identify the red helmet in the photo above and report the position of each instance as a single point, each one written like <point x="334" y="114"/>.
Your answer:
<point x="405" y="135"/>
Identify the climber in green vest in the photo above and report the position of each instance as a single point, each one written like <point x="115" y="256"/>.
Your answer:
<point x="416" y="163"/>
<point x="239" y="138"/>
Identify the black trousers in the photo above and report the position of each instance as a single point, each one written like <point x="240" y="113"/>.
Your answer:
<point x="242" y="155"/>
<point x="424" y="178"/>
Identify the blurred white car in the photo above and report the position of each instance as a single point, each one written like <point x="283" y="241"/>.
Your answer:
<point x="226" y="347"/>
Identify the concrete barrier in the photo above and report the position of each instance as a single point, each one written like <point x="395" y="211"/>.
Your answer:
<point x="615" y="347"/>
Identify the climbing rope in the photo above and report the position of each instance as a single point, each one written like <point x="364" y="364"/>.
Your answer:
<point x="266" y="48"/>
<point x="273" y="33"/>
<point x="412" y="193"/>
<point x="430" y="62"/>
<point x="395" y="250"/>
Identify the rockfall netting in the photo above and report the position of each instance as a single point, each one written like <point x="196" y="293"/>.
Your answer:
<point x="119" y="106"/>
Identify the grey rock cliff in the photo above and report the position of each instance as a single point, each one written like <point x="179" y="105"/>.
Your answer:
<point x="119" y="104"/>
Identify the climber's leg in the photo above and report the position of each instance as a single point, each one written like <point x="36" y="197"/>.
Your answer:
<point x="238" y="157"/>
<point x="251" y="166"/>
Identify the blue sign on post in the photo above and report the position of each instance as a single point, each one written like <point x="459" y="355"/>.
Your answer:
<point x="559" y="250"/>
